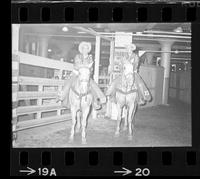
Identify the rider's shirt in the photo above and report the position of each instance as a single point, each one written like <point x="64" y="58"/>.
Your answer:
<point x="81" y="61"/>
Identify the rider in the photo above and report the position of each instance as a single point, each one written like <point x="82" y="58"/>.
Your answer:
<point x="143" y="92"/>
<point x="80" y="60"/>
<point x="131" y="56"/>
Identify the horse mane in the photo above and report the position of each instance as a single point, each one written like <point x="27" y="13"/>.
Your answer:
<point x="121" y="80"/>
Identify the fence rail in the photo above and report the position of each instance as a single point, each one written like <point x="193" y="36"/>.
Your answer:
<point x="29" y="59"/>
<point x="35" y="109"/>
<point x="42" y="122"/>
<point x="23" y="80"/>
<point x="35" y="95"/>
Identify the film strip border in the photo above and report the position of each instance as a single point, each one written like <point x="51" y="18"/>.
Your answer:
<point x="104" y="12"/>
<point x="105" y="162"/>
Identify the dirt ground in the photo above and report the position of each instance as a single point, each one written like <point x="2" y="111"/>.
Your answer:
<point x="157" y="126"/>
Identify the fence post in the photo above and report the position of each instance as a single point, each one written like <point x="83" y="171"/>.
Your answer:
<point x="15" y="87"/>
<point x="39" y="101"/>
<point x="60" y="76"/>
<point x="15" y="74"/>
<point x="59" y="110"/>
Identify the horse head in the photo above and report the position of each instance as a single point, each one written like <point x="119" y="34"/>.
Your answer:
<point x="127" y="73"/>
<point x="127" y="68"/>
<point x="84" y="77"/>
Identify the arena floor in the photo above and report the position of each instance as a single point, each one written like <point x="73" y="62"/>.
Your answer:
<point x="157" y="126"/>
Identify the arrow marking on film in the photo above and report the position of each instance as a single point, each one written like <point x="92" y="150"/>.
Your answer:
<point x="125" y="171"/>
<point x="29" y="171"/>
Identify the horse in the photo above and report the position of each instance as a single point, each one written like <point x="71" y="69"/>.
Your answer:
<point x="125" y="96"/>
<point x="80" y="100"/>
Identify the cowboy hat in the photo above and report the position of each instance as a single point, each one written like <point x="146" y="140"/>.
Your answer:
<point x="82" y="44"/>
<point x="130" y="46"/>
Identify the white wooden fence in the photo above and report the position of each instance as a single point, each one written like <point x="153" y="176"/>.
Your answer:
<point x="40" y="95"/>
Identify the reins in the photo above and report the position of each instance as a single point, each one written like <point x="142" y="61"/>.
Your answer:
<point x="80" y="95"/>
<point x="127" y="92"/>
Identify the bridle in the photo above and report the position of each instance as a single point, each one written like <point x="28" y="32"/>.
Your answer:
<point x="130" y="91"/>
<point x="80" y="95"/>
<point x="134" y="90"/>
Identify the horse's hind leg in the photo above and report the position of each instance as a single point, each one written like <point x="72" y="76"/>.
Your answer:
<point x="84" y="123"/>
<point x="119" y="109"/>
<point x="73" y="114"/>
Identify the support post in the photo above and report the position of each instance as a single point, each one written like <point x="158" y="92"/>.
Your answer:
<point x="165" y="62"/>
<point x="96" y="67"/>
<point x="97" y="59"/>
<point x="43" y="46"/>
<point x="110" y="70"/>
<point x="15" y="38"/>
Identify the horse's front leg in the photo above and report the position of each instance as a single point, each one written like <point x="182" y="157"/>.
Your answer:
<point x="78" y="123"/>
<point x="125" y="111"/>
<point x="119" y="109"/>
<point x="73" y="115"/>
<point x="85" y="113"/>
<point x="131" y="115"/>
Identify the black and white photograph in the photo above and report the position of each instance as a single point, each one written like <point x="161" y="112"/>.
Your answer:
<point x="101" y="85"/>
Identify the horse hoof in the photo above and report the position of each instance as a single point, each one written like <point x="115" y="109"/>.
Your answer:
<point x="84" y="141"/>
<point x="116" y="134"/>
<point x="130" y="137"/>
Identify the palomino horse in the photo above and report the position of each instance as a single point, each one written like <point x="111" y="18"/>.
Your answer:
<point x="126" y="97"/>
<point x="80" y="99"/>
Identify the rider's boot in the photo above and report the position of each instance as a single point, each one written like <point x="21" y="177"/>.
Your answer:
<point x="141" y="100"/>
<point x="97" y="104"/>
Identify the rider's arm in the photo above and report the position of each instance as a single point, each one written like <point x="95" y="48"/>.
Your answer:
<point x="135" y="61"/>
<point x="77" y="62"/>
<point x="90" y="59"/>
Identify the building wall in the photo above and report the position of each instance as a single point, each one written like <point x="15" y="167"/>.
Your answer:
<point x="180" y="86"/>
<point x="153" y="77"/>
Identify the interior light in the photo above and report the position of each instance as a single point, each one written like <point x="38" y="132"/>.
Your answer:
<point x="49" y="50"/>
<point x="65" y="29"/>
<point x="178" y="30"/>
<point x="176" y="51"/>
<point x="139" y="33"/>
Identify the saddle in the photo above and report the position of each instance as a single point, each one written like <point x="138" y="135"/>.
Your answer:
<point x="139" y="87"/>
<point x="116" y="86"/>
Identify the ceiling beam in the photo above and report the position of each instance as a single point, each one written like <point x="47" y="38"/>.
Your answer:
<point x="92" y="32"/>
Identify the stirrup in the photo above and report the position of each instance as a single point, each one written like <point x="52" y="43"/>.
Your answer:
<point x="141" y="102"/>
<point x="97" y="106"/>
